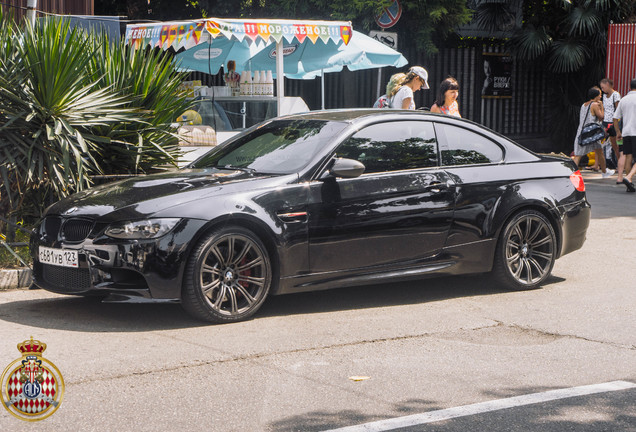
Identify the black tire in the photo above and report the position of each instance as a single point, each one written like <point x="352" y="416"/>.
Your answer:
<point x="526" y="251"/>
<point x="228" y="276"/>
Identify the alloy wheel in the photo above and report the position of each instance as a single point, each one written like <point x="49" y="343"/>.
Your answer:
<point x="529" y="249"/>
<point x="233" y="275"/>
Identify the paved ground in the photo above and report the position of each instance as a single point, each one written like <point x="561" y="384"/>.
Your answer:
<point x="425" y="346"/>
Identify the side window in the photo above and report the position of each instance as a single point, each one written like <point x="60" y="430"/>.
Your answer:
<point x="464" y="147"/>
<point x="392" y="146"/>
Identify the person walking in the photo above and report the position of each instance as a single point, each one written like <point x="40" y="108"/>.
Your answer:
<point x="626" y="130"/>
<point x="591" y="112"/>
<point x="446" y="102"/>
<point x="416" y="78"/>
<point x="610" y="101"/>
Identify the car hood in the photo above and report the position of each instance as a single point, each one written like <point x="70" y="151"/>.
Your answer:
<point x="140" y="197"/>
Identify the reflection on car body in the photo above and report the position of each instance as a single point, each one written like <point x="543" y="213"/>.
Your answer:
<point x="317" y="201"/>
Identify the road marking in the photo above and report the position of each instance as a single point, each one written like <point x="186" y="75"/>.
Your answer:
<point x="483" y="407"/>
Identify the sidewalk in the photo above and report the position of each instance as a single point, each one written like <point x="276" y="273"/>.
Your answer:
<point x="596" y="178"/>
<point x="14" y="278"/>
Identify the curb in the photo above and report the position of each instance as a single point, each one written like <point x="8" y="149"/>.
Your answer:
<point x="12" y="279"/>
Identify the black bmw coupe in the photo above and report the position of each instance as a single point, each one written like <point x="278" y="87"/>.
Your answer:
<point x="315" y="201"/>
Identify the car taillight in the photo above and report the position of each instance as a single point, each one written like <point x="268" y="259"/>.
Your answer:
<point x="577" y="180"/>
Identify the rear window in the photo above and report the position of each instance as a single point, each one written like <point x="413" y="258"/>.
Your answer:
<point x="465" y="147"/>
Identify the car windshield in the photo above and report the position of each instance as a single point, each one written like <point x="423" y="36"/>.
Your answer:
<point x="278" y="147"/>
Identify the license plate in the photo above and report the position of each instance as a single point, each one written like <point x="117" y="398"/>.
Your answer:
<point x="58" y="257"/>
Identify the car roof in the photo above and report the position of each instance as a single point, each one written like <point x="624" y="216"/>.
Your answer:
<point x="358" y="117"/>
<point x="353" y="114"/>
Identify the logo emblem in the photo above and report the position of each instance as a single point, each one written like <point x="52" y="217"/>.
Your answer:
<point x="287" y="50"/>
<point x="31" y="387"/>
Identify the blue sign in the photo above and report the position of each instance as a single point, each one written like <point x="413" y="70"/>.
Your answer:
<point x="390" y="16"/>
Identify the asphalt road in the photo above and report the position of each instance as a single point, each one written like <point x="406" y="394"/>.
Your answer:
<point x="425" y="346"/>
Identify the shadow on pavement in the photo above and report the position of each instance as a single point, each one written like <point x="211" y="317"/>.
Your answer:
<point x="614" y="411"/>
<point x="90" y="315"/>
<point x="384" y="295"/>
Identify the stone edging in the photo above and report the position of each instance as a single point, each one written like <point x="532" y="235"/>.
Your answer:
<point x="18" y="278"/>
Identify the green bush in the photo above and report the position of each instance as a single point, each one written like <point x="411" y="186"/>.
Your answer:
<point x="7" y="259"/>
<point x="74" y="105"/>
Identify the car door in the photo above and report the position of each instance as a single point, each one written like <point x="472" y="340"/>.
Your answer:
<point x="395" y="214"/>
<point x="475" y="163"/>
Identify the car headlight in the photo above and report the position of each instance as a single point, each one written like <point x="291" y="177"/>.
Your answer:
<point x="143" y="229"/>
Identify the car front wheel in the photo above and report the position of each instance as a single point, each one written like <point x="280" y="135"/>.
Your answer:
<point x="526" y="251"/>
<point x="227" y="277"/>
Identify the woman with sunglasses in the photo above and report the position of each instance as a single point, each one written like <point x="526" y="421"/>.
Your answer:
<point x="402" y="95"/>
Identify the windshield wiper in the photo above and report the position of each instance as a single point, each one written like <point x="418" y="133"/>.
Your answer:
<point x="250" y="171"/>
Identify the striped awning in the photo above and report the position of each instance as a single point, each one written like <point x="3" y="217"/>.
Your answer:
<point x="186" y="34"/>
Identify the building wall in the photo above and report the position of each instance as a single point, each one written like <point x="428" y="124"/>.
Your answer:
<point x="621" y="55"/>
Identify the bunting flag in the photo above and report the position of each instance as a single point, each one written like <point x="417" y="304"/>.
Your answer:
<point x="186" y="34"/>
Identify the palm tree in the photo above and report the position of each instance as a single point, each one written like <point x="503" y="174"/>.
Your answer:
<point x="73" y="106"/>
<point x="568" y="37"/>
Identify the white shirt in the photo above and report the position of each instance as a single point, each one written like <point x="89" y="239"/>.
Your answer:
<point x="404" y="92"/>
<point x="626" y="110"/>
<point x="608" y="105"/>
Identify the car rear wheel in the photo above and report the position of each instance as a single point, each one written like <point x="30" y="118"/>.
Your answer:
<point x="526" y="251"/>
<point x="228" y="276"/>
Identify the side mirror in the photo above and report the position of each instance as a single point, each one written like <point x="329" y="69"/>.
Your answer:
<point x="346" y="168"/>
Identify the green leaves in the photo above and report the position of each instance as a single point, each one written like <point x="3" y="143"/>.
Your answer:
<point x="567" y="56"/>
<point x="74" y="105"/>
<point x="531" y="43"/>
<point x="584" y="21"/>
<point x="566" y="34"/>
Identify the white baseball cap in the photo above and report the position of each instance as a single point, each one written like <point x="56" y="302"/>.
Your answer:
<point x="421" y="72"/>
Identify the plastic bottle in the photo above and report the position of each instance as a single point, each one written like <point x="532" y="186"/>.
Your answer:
<point x="264" y="83"/>
<point x="269" y="83"/>
<point x="249" y="88"/>
<point x="242" y="86"/>
<point x="256" y="84"/>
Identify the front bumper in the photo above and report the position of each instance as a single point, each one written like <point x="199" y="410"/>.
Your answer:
<point x="151" y="269"/>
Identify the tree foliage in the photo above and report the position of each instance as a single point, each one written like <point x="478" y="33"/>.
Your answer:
<point x="568" y="35"/>
<point x="424" y="23"/>
<point x="569" y="39"/>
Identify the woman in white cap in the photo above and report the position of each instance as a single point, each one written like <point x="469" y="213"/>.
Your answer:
<point x="402" y="96"/>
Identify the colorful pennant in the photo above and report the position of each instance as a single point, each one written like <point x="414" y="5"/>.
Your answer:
<point x="185" y="34"/>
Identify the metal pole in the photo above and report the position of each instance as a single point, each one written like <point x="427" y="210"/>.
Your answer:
<point x="322" y="87"/>
<point x="379" y="84"/>
<point x="30" y="14"/>
<point x="280" y="76"/>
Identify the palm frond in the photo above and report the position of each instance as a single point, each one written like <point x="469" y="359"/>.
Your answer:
<point x="600" y="5"/>
<point x="584" y="21"/>
<point x="494" y="16"/>
<point x="530" y="43"/>
<point x="567" y="56"/>
<point x="74" y="105"/>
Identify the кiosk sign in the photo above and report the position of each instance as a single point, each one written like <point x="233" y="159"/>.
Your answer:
<point x="497" y="75"/>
